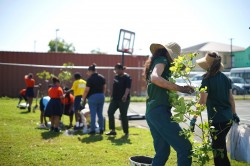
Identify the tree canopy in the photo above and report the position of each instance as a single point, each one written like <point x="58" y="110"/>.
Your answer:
<point x="62" y="46"/>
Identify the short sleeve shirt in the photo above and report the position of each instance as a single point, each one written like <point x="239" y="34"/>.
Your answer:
<point x="79" y="87"/>
<point x="68" y="99"/>
<point x="95" y="82"/>
<point x="120" y="84"/>
<point x="30" y="83"/>
<point x="55" y="92"/>
<point x="218" y="105"/>
<point x="23" y="92"/>
<point x="157" y="96"/>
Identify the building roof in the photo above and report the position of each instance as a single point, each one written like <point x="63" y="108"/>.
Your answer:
<point x="212" y="46"/>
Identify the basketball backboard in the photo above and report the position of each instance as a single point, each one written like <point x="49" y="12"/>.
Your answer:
<point x="126" y="41"/>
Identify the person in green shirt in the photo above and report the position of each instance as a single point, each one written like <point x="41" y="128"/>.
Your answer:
<point x="164" y="130"/>
<point x="220" y="103"/>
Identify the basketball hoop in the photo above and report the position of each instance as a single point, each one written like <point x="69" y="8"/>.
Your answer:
<point x="125" y="42"/>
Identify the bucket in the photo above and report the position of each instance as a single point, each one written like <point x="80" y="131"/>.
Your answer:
<point x="140" y="161"/>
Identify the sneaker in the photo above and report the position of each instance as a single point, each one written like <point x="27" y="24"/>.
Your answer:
<point x="111" y="133"/>
<point x="52" y="129"/>
<point x="126" y="134"/>
<point x="85" y="131"/>
<point x="77" y="128"/>
<point x="42" y="126"/>
<point x="56" y="130"/>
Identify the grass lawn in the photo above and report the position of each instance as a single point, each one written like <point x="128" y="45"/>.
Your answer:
<point x="22" y="143"/>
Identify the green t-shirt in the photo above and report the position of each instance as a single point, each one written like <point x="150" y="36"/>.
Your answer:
<point x="218" y="106"/>
<point x="157" y="96"/>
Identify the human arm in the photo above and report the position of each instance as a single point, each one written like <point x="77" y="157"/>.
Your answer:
<point x="163" y="83"/>
<point x="124" y="97"/>
<point x="85" y="93"/>
<point x="104" y="88"/>
<point x="232" y="102"/>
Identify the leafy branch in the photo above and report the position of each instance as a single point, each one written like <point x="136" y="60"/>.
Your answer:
<point x="185" y="110"/>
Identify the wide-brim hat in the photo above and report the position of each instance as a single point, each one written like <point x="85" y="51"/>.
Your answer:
<point x="207" y="61"/>
<point x="173" y="49"/>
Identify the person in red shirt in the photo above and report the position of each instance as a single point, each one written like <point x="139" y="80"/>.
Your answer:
<point x="54" y="107"/>
<point x="30" y="84"/>
<point x="21" y="96"/>
<point x="68" y="105"/>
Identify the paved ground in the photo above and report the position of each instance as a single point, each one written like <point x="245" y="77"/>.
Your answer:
<point x="242" y="108"/>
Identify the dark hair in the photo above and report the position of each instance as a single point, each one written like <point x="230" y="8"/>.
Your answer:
<point x="160" y="52"/>
<point x="66" y="88"/>
<point x="215" y="67"/>
<point x="120" y="66"/>
<point x="55" y="80"/>
<point x="30" y="75"/>
<point x="92" y="67"/>
<point x="77" y="75"/>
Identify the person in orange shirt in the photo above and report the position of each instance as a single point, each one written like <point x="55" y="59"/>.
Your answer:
<point x="68" y="105"/>
<point x="54" y="107"/>
<point x="30" y="84"/>
<point x="21" y="96"/>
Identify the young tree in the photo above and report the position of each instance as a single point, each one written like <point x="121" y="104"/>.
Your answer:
<point x="65" y="76"/>
<point x="62" y="46"/>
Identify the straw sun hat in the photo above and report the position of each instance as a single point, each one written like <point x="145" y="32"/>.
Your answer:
<point x="173" y="49"/>
<point x="208" y="60"/>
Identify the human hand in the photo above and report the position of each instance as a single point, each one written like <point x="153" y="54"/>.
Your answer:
<point x="236" y="119"/>
<point x="187" y="89"/>
<point x="124" y="98"/>
<point x="192" y="124"/>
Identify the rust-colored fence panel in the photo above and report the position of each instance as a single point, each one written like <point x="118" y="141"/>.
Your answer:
<point x="14" y="65"/>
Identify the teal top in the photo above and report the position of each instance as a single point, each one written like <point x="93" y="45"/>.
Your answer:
<point x="157" y="96"/>
<point x="218" y="106"/>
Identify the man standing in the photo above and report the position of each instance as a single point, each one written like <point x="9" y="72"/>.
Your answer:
<point x="120" y="98"/>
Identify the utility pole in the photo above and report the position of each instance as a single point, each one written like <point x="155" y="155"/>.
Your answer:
<point x="231" y="51"/>
<point x="56" y="41"/>
<point x="34" y="45"/>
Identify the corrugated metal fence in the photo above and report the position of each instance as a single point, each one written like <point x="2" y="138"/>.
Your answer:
<point x="14" y="65"/>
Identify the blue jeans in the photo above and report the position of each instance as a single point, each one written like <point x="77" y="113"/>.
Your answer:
<point x="165" y="133"/>
<point x="96" y="102"/>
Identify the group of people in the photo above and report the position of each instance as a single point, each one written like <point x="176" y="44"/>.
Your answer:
<point x="92" y="91"/>
<point x="218" y="99"/>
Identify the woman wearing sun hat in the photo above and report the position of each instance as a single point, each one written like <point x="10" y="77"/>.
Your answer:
<point x="219" y="101"/>
<point x="164" y="131"/>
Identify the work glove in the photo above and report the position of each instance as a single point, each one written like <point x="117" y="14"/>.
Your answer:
<point x="236" y="119"/>
<point x="192" y="124"/>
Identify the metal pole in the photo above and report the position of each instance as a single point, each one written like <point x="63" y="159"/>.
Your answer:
<point x="34" y="45"/>
<point x="56" y="40"/>
<point x="122" y="58"/>
<point x="231" y="51"/>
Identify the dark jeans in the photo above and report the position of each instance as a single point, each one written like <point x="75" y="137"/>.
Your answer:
<point x="166" y="133"/>
<point x="123" y="107"/>
<point x="219" y="143"/>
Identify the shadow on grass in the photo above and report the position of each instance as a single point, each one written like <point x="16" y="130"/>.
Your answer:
<point x="24" y="112"/>
<point x="119" y="141"/>
<point x="91" y="138"/>
<point x="49" y="134"/>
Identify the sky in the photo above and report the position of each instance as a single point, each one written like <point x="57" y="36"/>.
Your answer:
<point x="29" y="25"/>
